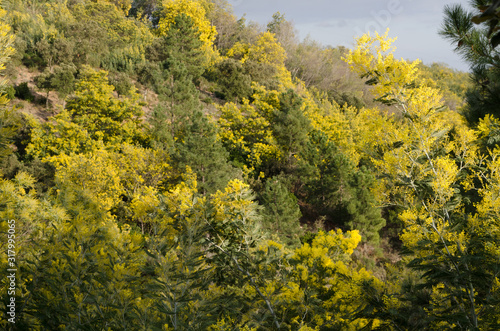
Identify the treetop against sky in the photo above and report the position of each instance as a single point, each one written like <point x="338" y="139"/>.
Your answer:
<point x="416" y="23"/>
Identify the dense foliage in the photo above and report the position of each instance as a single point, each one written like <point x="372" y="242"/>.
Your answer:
<point x="169" y="166"/>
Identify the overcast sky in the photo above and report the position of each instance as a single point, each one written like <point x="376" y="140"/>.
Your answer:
<point x="337" y="22"/>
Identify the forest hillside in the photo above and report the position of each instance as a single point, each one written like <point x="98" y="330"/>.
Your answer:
<point x="166" y="165"/>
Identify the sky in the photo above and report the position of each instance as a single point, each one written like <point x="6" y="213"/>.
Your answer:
<point x="336" y="22"/>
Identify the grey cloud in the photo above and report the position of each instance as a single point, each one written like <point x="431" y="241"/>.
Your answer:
<point x="333" y="24"/>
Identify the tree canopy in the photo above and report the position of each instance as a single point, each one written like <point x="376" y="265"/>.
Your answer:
<point x="166" y="165"/>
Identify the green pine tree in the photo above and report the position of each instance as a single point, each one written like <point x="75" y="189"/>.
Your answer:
<point x="325" y="172"/>
<point x="364" y="215"/>
<point x="200" y="149"/>
<point x="281" y="213"/>
<point x="178" y="101"/>
<point x="233" y="83"/>
<point x="478" y="50"/>
<point x="179" y="50"/>
<point x="337" y="189"/>
<point x="290" y="127"/>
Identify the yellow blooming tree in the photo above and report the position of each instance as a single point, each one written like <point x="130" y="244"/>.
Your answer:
<point x="80" y="262"/>
<point x="123" y="5"/>
<point x="312" y="287"/>
<point x="248" y="136"/>
<point x="6" y="51"/>
<point x="197" y="11"/>
<point x="129" y="186"/>
<point x="429" y="165"/>
<point x="327" y="286"/>
<point x="268" y="53"/>
<point x="93" y="117"/>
